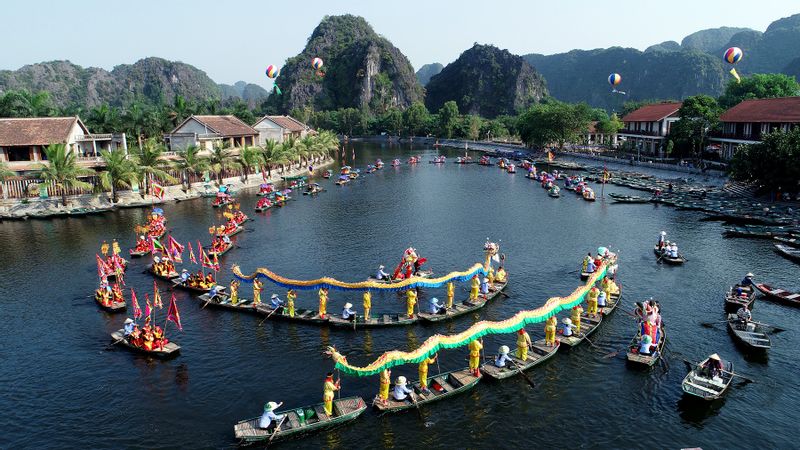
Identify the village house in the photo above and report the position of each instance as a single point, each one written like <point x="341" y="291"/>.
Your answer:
<point x="593" y="136"/>
<point x="281" y="128"/>
<point x="646" y="128"/>
<point x="750" y="120"/>
<point x="206" y="132"/>
<point x="23" y="140"/>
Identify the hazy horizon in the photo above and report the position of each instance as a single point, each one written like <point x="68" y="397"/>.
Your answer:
<point x="237" y="42"/>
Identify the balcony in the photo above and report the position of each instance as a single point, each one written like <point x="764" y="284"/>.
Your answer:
<point x="640" y="133"/>
<point x="94" y="137"/>
<point x="740" y="136"/>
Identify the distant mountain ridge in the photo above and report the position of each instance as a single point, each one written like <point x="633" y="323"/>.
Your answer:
<point x="152" y="80"/>
<point x="426" y="72"/>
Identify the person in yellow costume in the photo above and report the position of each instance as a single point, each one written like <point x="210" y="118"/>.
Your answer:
<point x="474" y="289"/>
<point x="367" y="304"/>
<point x="234" y="292"/>
<point x="258" y="286"/>
<point x="550" y="331"/>
<point x="501" y="276"/>
<point x="328" y="390"/>
<point x="386" y="381"/>
<point x="323" y="302"/>
<point x="290" y="297"/>
<point x="576" y="318"/>
<point x="490" y="277"/>
<point x="523" y="344"/>
<point x="423" y="373"/>
<point x="411" y="300"/>
<point x="591" y="300"/>
<point x="608" y="286"/>
<point x="475" y="348"/>
<point x="451" y="293"/>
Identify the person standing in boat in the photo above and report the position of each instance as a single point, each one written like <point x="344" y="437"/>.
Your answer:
<point x="501" y="276"/>
<point x="475" y="348"/>
<point x="348" y="313"/>
<point x="269" y="419"/>
<point x="401" y="391"/>
<point x="502" y="357"/>
<point x="550" y="331"/>
<point x="586" y="261"/>
<point x="423" y="373"/>
<point x="590" y="266"/>
<point x="411" y="300"/>
<point x="258" y="286"/>
<point x="491" y="277"/>
<point x="234" y="296"/>
<point x="367" y="303"/>
<point x="323" y="302"/>
<point x="601" y="301"/>
<point x="291" y="295"/>
<point x="474" y="289"/>
<point x="277" y="303"/>
<point x="385" y="381"/>
<point x="328" y="390"/>
<point x="381" y="275"/>
<point x="451" y="293"/>
<point x="662" y="240"/>
<point x="577" y="310"/>
<point x="748" y="280"/>
<point x="523" y="344"/>
<point x="592" y="302"/>
<point x="644" y="345"/>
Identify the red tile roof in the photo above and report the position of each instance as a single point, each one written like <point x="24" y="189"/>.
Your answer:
<point x="37" y="130"/>
<point x="781" y="110"/>
<point x="652" y="113"/>
<point x="222" y="125"/>
<point x="287" y="123"/>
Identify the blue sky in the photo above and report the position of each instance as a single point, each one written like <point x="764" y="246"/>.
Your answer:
<point x="235" y="40"/>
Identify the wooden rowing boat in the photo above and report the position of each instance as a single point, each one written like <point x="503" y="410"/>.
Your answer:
<point x="793" y="242"/>
<point x="375" y="320"/>
<point x="313" y="418"/>
<point x="701" y="386"/>
<point x="114" y="307"/>
<point x="634" y="357"/>
<point x="226" y="250"/>
<point x="178" y="283"/>
<point x="236" y="231"/>
<point x="590" y="324"/>
<point x="733" y="302"/>
<point x="789" y="298"/>
<point x="440" y="386"/>
<point x="628" y="198"/>
<point x="537" y="354"/>
<point x="169" y="350"/>
<point x="788" y="252"/>
<point x="300" y="315"/>
<point x="465" y="307"/>
<point x="168" y="277"/>
<point x="138" y="254"/>
<point x="668" y="259"/>
<point x="750" y="335"/>
<point x="223" y="301"/>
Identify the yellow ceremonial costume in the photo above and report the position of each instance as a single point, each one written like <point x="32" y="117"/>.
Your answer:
<point x="451" y="293"/>
<point x="490" y="277"/>
<point x="550" y="331"/>
<point x="290" y="296"/>
<point x="473" y="293"/>
<point x="367" y="304"/>
<point x="423" y="372"/>
<point x="327" y="395"/>
<point x="609" y="287"/>
<point x="501" y="275"/>
<point x="234" y="292"/>
<point x="591" y="300"/>
<point x="576" y="318"/>
<point x="475" y="355"/>
<point x="323" y="302"/>
<point x="523" y="342"/>
<point x="411" y="300"/>
<point x="386" y="381"/>
<point x="257" y="288"/>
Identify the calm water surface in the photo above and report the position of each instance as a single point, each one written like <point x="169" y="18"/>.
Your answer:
<point x="61" y="388"/>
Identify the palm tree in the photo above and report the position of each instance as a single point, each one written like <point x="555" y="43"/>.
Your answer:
<point x="5" y="173"/>
<point x="219" y="159"/>
<point x="63" y="170"/>
<point x="149" y="163"/>
<point x="248" y="158"/>
<point x="329" y="142"/>
<point x="270" y="154"/>
<point x="119" y="172"/>
<point x="189" y="161"/>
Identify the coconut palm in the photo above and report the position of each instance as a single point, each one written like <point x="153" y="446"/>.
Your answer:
<point x="62" y="169"/>
<point x="190" y="162"/>
<point x="329" y="142"/>
<point x="270" y="154"/>
<point x="150" y="164"/>
<point x="219" y="159"/>
<point x="248" y="158"/>
<point x="119" y="171"/>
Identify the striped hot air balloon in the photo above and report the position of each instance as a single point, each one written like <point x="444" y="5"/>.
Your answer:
<point x="614" y="79"/>
<point x="273" y="71"/>
<point x="316" y="63"/>
<point x="733" y="55"/>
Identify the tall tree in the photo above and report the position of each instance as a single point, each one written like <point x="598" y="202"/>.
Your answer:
<point x="219" y="159"/>
<point x="119" y="171"/>
<point x="762" y="85"/>
<point x="248" y="158"/>
<point x="62" y="169"/>
<point x="699" y="115"/>
<point x="775" y="162"/>
<point x="150" y="163"/>
<point x="271" y="155"/>
<point x="553" y="122"/>
<point x="190" y="162"/>
<point x="448" y="118"/>
<point x="415" y="118"/>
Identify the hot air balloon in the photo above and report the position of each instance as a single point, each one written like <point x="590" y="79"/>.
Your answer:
<point x="614" y="79"/>
<point x="316" y="63"/>
<point x="732" y="56"/>
<point x="273" y="71"/>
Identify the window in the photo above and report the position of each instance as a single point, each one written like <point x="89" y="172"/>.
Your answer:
<point x="18" y="153"/>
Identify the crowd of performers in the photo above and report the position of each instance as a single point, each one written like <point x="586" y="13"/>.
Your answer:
<point x="590" y="264"/>
<point x="148" y="337"/>
<point x="164" y="268"/>
<point x="111" y="264"/>
<point x="107" y="294"/>
<point x="648" y="314"/>
<point x="666" y="247"/>
<point x="220" y="243"/>
<point x="199" y="280"/>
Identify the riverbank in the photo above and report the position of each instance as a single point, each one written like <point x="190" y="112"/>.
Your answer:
<point x="83" y="205"/>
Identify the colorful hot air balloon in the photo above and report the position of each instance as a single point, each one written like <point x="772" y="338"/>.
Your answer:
<point x="733" y="55"/>
<point x="273" y="71"/>
<point x="316" y="63"/>
<point x="614" y="79"/>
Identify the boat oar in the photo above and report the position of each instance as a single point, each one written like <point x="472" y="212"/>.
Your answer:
<point x="774" y="328"/>
<point x="416" y="405"/>
<point x="114" y="343"/>
<point x="277" y="428"/>
<point x="524" y="375"/>
<point x="692" y="365"/>
<point x="210" y="297"/>
<point x="590" y="342"/>
<point x="268" y="316"/>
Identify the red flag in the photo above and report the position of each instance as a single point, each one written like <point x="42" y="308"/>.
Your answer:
<point x="147" y="309"/>
<point x="172" y="313"/>
<point x="158" y="190"/>
<point x="157" y="297"/>
<point x="191" y="254"/>
<point x="205" y="260"/>
<point x="102" y="268"/>
<point x="137" y="311"/>
<point x="216" y="262"/>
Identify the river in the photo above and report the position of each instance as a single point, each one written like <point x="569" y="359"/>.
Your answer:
<point x="63" y="389"/>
